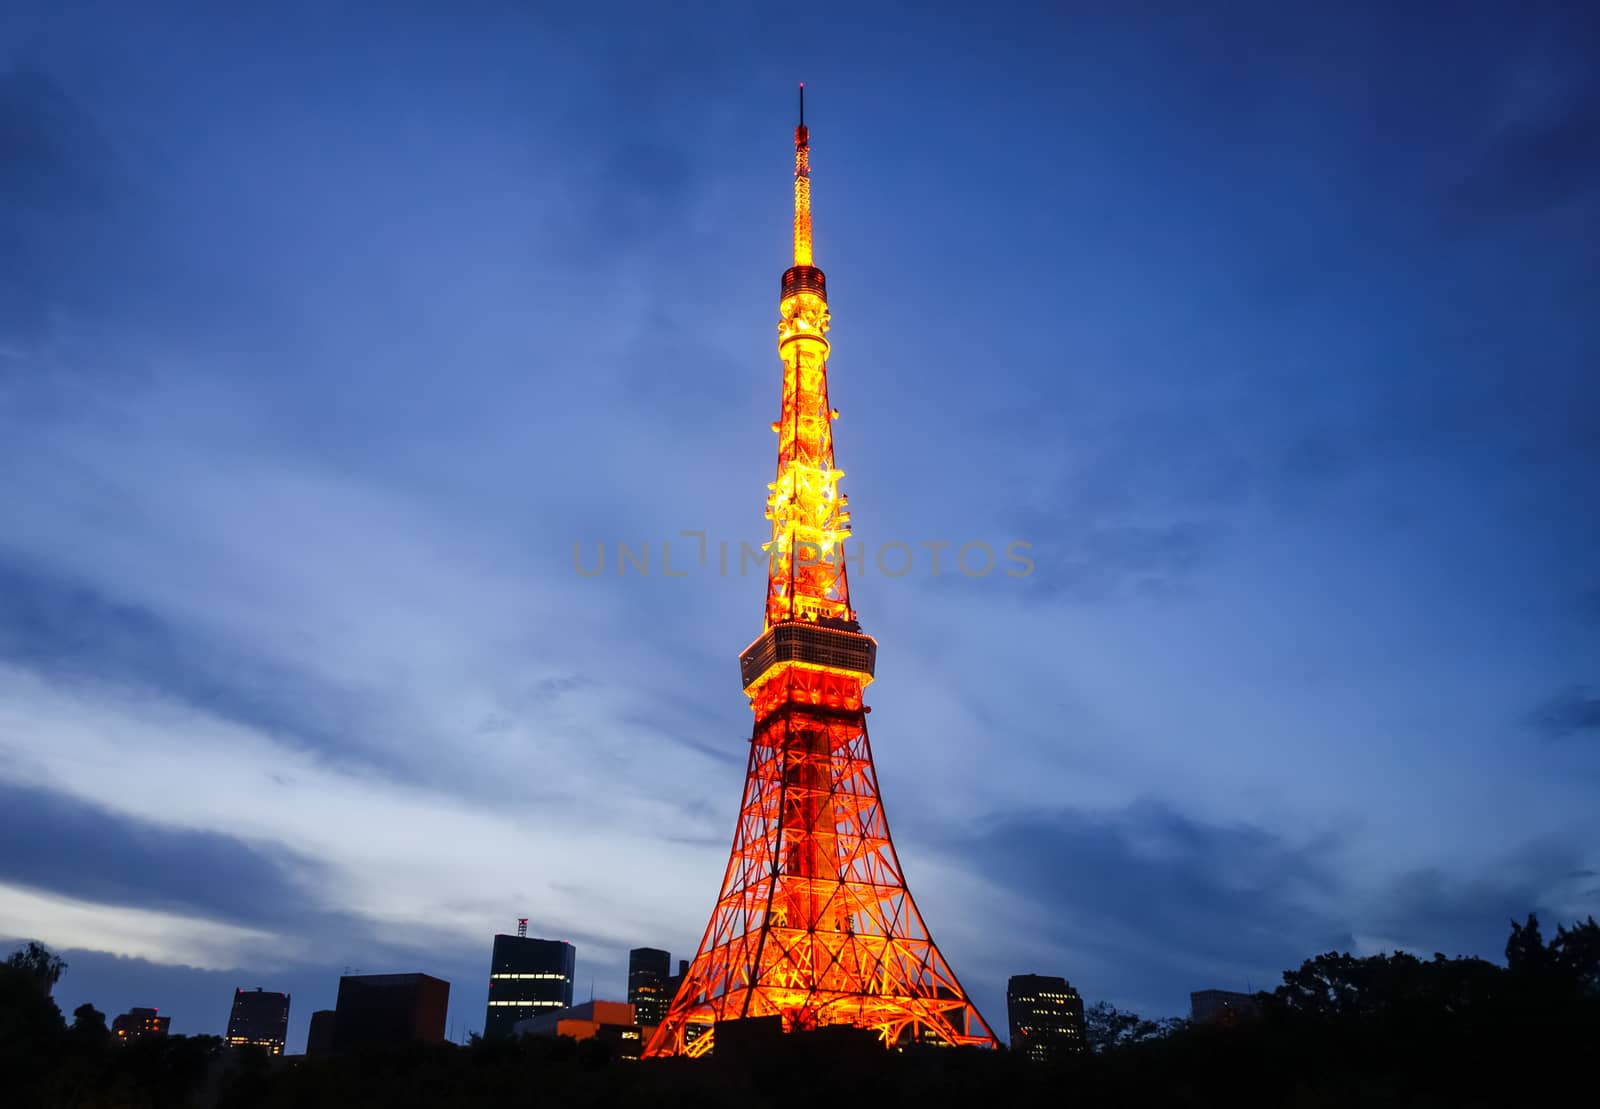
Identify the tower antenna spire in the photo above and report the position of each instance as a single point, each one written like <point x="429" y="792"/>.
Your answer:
<point x="802" y="187"/>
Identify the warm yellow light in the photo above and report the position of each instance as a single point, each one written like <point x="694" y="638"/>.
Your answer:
<point x="814" y="924"/>
<point x="802" y="204"/>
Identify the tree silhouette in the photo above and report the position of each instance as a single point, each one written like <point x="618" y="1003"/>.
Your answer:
<point x="1576" y="955"/>
<point x="1525" y="949"/>
<point x="1386" y="1030"/>
<point x="1106" y="1028"/>
<point x="89" y="1024"/>
<point x="38" y="962"/>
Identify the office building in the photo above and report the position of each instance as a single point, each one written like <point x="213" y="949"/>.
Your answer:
<point x="1046" y="1017"/>
<point x="319" y="1037"/>
<point x="612" y="1022"/>
<point x="383" y="1009"/>
<point x="136" y="1024"/>
<point x="527" y="976"/>
<point x="259" y="1017"/>
<point x="1221" y="1006"/>
<point x="677" y="980"/>
<point x="649" y="971"/>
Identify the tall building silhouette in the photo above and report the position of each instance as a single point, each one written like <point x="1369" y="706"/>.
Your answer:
<point x="527" y="976"/>
<point x="136" y="1024"/>
<point x="1046" y="1017"/>
<point x="649" y="971"/>
<point x="1221" y="1006"/>
<point x="814" y="924"/>
<point x="319" y="1036"/>
<point x="259" y="1017"/>
<point x="677" y="980"/>
<point x="387" y="1009"/>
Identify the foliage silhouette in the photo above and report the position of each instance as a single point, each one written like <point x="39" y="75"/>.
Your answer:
<point x="1379" y="1030"/>
<point x="37" y="961"/>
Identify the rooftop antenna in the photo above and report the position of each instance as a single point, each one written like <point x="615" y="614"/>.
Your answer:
<point x="802" y="103"/>
<point x="522" y="927"/>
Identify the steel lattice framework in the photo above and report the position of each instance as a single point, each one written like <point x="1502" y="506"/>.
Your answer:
<point x="814" y="923"/>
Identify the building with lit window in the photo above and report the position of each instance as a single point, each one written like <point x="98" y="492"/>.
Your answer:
<point x="1046" y="1017"/>
<point x="649" y="971"/>
<point x="384" y="1009"/>
<point x="608" y="1021"/>
<point x="136" y="1024"/>
<point x="527" y="977"/>
<point x="259" y="1017"/>
<point x="1221" y="1007"/>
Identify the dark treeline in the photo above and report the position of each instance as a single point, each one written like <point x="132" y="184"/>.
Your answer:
<point x="1386" y="1030"/>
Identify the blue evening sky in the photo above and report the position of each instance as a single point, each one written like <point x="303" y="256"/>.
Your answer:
<point x="328" y="329"/>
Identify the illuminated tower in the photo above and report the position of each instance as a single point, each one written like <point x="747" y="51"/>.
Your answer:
<point x="814" y="924"/>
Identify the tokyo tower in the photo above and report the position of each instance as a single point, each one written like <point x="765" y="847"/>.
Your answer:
<point x="814" y="923"/>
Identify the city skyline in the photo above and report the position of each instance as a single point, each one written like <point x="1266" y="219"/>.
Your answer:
<point x="309" y="387"/>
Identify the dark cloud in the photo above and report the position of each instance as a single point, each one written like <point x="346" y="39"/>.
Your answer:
<point x="69" y="630"/>
<point x="1172" y="904"/>
<point x="1573" y="713"/>
<point x="637" y="192"/>
<point x="732" y="753"/>
<point x="58" y="178"/>
<point x="61" y="845"/>
<point x="637" y="181"/>
<point x="712" y="385"/>
<point x="1146" y="904"/>
<point x="1532" y="166"/>
<point x="1589" y="607"/>
<point x="1189" y="406"/>
<point x="67" y="847"/>
<point x="51" y="153"/>
<point x="1099" y="563"/>
<point x="688" y="719"/>
<point x="1428" y="911"/>
<point x="536" y="698"/>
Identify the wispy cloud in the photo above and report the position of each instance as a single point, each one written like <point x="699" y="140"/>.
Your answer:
<point x="307" y="389"/>
<point x="1571" y="714"/>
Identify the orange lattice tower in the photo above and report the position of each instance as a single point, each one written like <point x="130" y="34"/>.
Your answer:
<point x="814" y="923"/>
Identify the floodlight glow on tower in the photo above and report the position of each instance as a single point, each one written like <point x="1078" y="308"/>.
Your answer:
<point x="814" y="923"/>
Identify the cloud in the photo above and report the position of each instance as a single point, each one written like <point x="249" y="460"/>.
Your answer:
<point x="1467" y="914"/>
<point x="1144" y="904"/>
<point x="72" y="848"/>
<point x="1532" y="165"/>
<point x="72" y="630"/>
<point x="1109" y="562"/>
<point x="51" y="153"/>
<point x="379" y="345"/>
<point x="1573" y="713"/>
<point x="177" y="792"/>
<point x="62" y="191"/>
<point x="1588" y="607"/>
<point x="144" y="933"/>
